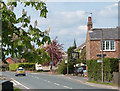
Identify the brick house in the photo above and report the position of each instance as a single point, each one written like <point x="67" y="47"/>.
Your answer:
<point x="111" y="41"/>
<point x="10" y="60"/>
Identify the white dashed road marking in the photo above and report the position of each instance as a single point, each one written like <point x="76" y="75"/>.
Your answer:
<point x="67" y="87"/>
<point x="57" y="84"/>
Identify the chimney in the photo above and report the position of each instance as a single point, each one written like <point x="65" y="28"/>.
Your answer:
<point x="89" y="24"/>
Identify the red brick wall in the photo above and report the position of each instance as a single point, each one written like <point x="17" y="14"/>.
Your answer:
<point x="95" y="49"/>
<point x="119" y="48"/>
<point x="10" y="61"/>
<point x="119" y="66"/>
<point x="87" y="46"/>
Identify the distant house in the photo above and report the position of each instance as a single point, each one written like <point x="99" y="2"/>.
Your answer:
<point x="10" y="60"/>
<point x="111" y="41"/>
<point x="81" y="47"/>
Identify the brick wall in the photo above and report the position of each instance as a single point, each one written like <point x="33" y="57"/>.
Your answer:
<point x="87" y="47"/>
<point x="119" y="48"/>
<point x="93" y="48"/>
<point x="119" y="66"/>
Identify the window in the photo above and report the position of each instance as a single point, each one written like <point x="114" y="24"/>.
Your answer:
<point x="108" y="45"/>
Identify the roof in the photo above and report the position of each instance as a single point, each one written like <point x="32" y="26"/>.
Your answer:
<point x="108" y="33"/>
<point x="80" y="47"/>
<point x="14" y="59"/>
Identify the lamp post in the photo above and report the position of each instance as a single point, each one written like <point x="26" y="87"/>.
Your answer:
<point x="102" y="55"/>
<point x="66" y="62"/>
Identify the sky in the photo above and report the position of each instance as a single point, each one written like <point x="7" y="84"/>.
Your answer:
<point x="68" y="20"/>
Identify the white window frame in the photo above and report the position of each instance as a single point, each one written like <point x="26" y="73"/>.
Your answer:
<point x="109" y="45"/>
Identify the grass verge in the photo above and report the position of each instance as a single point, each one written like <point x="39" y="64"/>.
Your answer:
<point x="104" y="83"/>
<point x="16" y="89"/>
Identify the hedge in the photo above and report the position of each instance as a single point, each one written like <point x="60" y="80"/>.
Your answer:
<point x="110" y="65"/>
<point x="26" y="66"/>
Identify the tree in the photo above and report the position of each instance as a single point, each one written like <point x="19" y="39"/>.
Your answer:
<point x="55" y="51"/>
<point x="82" y="56"/>
<point x="71" y="64"/>
<point x="16" y="40"/>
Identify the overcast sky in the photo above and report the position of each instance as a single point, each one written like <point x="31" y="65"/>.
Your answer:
<point x="68" y="20"/>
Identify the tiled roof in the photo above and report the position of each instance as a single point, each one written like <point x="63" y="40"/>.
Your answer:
<point x="81" y="46"/>
<point x="14" y="59"/>
<point x="108" y="33"/>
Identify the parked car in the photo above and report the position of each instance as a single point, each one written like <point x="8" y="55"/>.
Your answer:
<point x="20" y="71"/>
<point x="80" y="70"/>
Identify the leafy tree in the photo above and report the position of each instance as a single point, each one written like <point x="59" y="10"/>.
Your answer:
<point x="55" y="51"/>
<point x="17" y="40"/>
<point x="82" y="57"/>
<point x="71" y="63"/>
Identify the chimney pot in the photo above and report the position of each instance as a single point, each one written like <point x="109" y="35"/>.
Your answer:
<point x="89" y="18"/>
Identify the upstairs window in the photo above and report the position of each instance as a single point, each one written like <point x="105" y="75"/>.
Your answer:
<point x="108" y="45"/>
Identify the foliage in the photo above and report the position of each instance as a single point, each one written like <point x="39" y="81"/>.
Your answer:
<point x="62" y="69"/>
<point x="70" y="50"/>
<point x="16" y="89"/>
<point x="26" y="66"/>
<point x="110" y="65"/>
<point x="82" y="57"/>
<point x="55" y="51"/>
<point x="71" y="63"/>
<point x="19" y="39"/>
<point x="13" y="67"/>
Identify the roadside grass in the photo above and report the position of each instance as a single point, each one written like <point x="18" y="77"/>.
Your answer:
<point x="16" y="89"/>
<point x="104" y="83"/>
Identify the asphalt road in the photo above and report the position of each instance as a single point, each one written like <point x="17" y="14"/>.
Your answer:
<point x="46" y="81"/>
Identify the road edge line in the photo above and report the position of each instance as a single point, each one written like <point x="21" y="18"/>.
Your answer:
<point x="21" y="84"/>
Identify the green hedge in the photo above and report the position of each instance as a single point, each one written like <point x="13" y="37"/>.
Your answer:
<point x="26" y="66"/>
<point x="110" y="65"/>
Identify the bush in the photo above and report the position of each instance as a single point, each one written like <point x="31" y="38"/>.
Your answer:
<point x="62" y="69"/>
<point x="110" y="65"/>
<point x="26" y="66"/>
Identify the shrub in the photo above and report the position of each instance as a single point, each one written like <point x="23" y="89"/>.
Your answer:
<point x="62" y="69"/>
<point x="110" y="65"/>
<point x="26" y="66"/>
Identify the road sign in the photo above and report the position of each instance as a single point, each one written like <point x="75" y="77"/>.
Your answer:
<point x="99" y="61"/>
<point x="99" y="55"/>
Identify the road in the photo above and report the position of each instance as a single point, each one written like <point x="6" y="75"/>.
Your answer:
<point x="46" y="81"/>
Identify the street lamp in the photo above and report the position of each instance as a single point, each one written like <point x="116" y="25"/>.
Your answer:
<point x="66" y="62"/>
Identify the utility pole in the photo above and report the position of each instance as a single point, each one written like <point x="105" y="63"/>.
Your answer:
<point x="67" y="68"/>
<point x="102" y="55"/>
